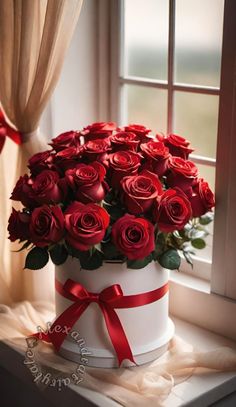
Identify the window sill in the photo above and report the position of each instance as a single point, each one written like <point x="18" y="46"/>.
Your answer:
<point x="192" y="301"/>
<point x="199" y="390"/>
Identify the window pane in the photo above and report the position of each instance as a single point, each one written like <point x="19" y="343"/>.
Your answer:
<point x="195" y="118"/>
<point x="198" y="40"/>
<point x="146" y="38"/>
<point x="146" y="106"/>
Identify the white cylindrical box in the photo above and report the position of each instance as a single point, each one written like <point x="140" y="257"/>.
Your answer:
<point x="148" y="328"/>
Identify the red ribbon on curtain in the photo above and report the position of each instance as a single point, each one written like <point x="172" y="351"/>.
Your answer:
<point x="7" y="131"/>
<point x="109" y="299"/>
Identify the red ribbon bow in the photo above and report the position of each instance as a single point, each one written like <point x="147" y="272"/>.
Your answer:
<point x="7" y="131"/>
<point x="109" y="298"/>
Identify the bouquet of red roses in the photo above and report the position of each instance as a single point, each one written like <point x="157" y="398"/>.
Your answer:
<point x="112" y="194"/>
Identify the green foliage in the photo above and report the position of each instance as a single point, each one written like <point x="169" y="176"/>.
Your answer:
<point x="37" y="258"/>
<point x="170" y="259"/>
<point x="139" y="264"/>
<point x="198" y="243"/>
<point x="58" y="254"/>
<point x="115" y="211"/>
<point x="206" y="219"/>
<point x="92" y="261"/>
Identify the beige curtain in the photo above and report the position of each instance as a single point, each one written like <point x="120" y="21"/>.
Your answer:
<point x="34" y="36"/>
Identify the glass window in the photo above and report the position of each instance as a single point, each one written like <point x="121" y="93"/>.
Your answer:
<point x="154" y="115"/>
<point x="146" y="38"/>
<point x="198" y="41"/>
<point x="195" y="118"/>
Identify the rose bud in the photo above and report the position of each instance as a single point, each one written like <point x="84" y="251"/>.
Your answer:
<point x="18" y="225"/>
<point x="178" y="146"/>
<point x="68" y="158"/>
<point x="98" y="130"/>
<point x="139" y="192"/>
<point x="124" y="140"/>
<point x="41" y="161"/>
<point x="48" y="188"/>
<point x="23" y="192"/>
<point x="140" y="131"/>
<point x="85" y="224"/>
<point x="65" y="140"/>
<point x="121" y="164"/>
<point x="133" y="237"/>
<point x="47" y="225"/>
<point x="97" y="150"/>
<point x="202" y="200"/>
<point x="182" y="173"/>
<point x="172" y="210"/>
<point x="159" y="137"/>
<point x="87" y="182"/>
<point x="157" y="156"/>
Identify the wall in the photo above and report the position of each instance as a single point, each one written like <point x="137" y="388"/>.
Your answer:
<point x="74" y="103"/>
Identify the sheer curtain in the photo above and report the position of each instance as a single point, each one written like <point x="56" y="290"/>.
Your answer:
<point x="34" y="37"/>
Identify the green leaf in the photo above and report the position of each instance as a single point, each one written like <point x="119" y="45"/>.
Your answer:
<point x="188" y="257"/>
<point x="72" y="251"/>
<point x="58" y="254"/>
<point x="207" y="218"/>
<point x="160" y="238"/>
<point x="139" y="264"/>
<point x="170" y="260"/>
<point x="36" y="259"/>
<point x="114" y="211"/>
<point x="110" y="251"/>
<point x="93" y="262"/>
<point x="198" y="243"/>
<point x="110" y="197"/>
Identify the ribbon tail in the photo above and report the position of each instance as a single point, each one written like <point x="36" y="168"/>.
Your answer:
<point x="117" y="334"/>
<point x="62" y="325"/>
<point x="42" y="336"/>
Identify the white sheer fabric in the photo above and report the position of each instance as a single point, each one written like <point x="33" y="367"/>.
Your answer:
<point x="145" y="385"/>
<point x="34" y="36"/>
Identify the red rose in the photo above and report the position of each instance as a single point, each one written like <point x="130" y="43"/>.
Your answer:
<point x="140" y="191"/>
<point x="98" y="130"/>
<point x="182" y="174"/>
<point x="68" y="158"/>
<point x="124" y="140"/>
<point x="47" y="225"/>
<point x="65" y="140"/>
<point x="48" y="188"/>
<point x="172" y="211"/>
<point x="18" y="225"/>
<point x="202" y="199"/>
<point x="178" y="146"/>
<point x="96" y="150"/>
<point x="134" y="237"/>
<point x="23" y="192"/>
<point x="121" y="164"/>
<point x="86" y="225"/>
<point x="87" y="182"/>
<point x="140" y="131"/>
<point x="157" y="156"/>
<point x="41" y="161"/>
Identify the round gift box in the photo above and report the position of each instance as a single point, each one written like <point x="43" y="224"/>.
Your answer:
<point x="147" y="327"/>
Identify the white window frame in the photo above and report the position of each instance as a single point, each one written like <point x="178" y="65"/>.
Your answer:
<point x="192" y="298"/>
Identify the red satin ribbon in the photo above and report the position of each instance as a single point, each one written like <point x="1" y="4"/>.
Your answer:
<point x="7" y="131"/>
<point x="110" y="298"/>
